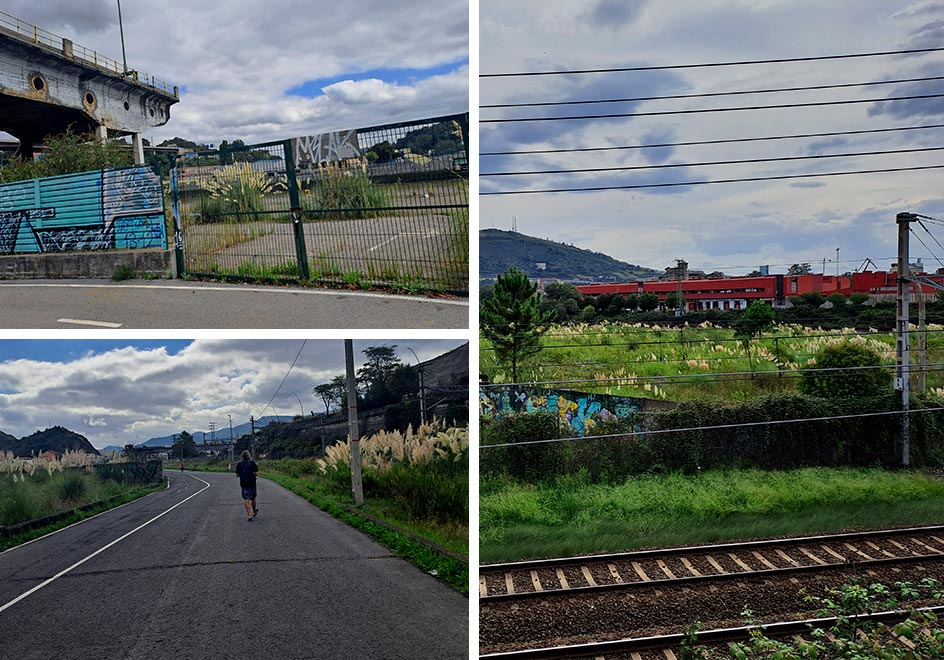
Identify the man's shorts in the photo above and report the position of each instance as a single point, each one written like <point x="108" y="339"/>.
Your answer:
<point x="249" y="493"/>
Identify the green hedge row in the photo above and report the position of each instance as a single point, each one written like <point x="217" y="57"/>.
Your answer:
<point x="854" y="441"/>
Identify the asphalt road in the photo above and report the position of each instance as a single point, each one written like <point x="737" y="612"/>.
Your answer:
<point x="176" y="304"/>
<point x="201" y="582"/>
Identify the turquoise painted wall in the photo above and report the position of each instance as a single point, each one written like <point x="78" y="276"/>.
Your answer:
<point x="119" y="208"/>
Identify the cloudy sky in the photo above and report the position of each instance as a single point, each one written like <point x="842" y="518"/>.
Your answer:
<point x="262" y="70"/>
<point x="116" y="392"/>
<point x="732" y="227"/>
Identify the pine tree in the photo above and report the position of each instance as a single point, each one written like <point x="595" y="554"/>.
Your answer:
<point x="512" y="320"/>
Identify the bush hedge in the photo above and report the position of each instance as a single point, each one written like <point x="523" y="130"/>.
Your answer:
<point x="854" y="441"/>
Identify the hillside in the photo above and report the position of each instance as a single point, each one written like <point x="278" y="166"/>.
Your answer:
<point x="449" y="369"/>
<point x="57" y="439"/>
<point x="499" y="250"/>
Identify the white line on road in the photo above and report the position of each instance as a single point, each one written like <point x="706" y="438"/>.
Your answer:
<point x="246" y="289"/>
<point x="100" y="550"/>
<point x="97" y="324"/>
<point x="389" y="240"/>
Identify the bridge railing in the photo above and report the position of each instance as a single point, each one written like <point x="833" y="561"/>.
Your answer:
<point x="40" y="37"/>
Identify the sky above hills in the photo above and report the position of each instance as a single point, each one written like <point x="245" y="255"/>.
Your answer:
<point x="260" y="71"/>
<point x="732" y="227"/>
<point x="118" y="392"/>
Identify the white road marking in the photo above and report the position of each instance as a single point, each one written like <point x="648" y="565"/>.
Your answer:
<point x="231" y="289"/>
<point x="389" y="240"/>
<point x="100" y="550"/>
<point x="97" y="324"/>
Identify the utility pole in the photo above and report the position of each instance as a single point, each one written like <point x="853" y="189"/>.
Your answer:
<point x="230" y="441"/>
<point x="922" y="341"/>
<point x="837" y="265"/>
<point x="902" y="328"/>
<point x="419" y="368"/>
<point x="212" y="426"/>
<point x="357" y="488"/>
<point x="252" y="436"/>
<point x="680" y="266"/>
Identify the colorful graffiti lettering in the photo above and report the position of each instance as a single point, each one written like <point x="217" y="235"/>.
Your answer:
<point x="581" y="411"/>
<point x="104" y="210"/>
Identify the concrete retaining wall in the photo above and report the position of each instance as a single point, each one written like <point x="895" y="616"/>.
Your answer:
<point x="70" y="265"/>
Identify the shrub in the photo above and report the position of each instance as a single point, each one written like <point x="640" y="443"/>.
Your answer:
<point x="68" y="153"/>
<point x="853" y="377"/>
<point x="347" y="190"/>
<point x="70" y="486"/>
<point x="238" y="188"/>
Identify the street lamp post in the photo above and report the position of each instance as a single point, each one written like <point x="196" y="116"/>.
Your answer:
<point x="121" y="28"/>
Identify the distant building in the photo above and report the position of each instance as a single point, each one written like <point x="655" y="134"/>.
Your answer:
<point x="739" y="292"/>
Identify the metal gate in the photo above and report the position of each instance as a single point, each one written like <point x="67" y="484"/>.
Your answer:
<point x="380" y="206"/>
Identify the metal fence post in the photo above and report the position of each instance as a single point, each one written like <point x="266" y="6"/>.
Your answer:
<point x="178" y="228"/>
<point x="301" y="254"/>
<point x="464" y="125"/>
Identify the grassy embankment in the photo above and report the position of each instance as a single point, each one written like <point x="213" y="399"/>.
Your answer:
<point x="42" y="495"/>
<point x="570" y="516"/>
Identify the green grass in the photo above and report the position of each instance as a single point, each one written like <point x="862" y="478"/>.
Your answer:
<point x="44" y="494"/>
<point x="625" y="350"/>
<point x="454" y="572"/>
<point x="572" y="516"/>
<point x="122" y="498"/>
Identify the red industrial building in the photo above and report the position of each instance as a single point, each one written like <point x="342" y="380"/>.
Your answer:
<point x="738" y="292"/>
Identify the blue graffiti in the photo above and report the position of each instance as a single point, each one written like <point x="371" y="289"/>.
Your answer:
<point x="104" y="210"/>
<point x="582" y="412"/>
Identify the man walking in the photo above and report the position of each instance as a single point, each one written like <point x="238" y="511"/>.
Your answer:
<point x="246" y="469"/>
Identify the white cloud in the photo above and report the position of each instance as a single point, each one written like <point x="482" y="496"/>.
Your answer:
<point x="234" y="62"/>
<point x="128" y="395"/>
<point x="729" y="225"/>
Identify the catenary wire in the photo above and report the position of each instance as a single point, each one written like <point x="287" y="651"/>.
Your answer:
<point x="704" y="183"/>
<point x="525" y="152"/>
<point x="695" y="111"/>
<point x="745" y="161"/>
<point x="702" y="65"/>
<point x="668" y="97"/>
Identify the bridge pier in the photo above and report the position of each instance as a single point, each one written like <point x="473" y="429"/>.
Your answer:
<point x="137" y="142"/>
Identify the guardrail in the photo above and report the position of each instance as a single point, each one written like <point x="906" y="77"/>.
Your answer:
<point x="40" y="37"/>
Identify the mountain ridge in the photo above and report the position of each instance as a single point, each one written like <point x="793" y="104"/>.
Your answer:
<point x="500" y="250"/>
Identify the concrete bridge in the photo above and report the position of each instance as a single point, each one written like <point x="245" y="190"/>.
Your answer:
<point x="48" y="83"/>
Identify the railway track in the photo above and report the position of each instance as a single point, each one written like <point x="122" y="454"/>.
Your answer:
<point x="749" y="559"/>
<point x="665" y="647"/>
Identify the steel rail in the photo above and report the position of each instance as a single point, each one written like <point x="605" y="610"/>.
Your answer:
<point x="659" y="582"/>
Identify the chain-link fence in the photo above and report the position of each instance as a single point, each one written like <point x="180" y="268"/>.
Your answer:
<point x="380" y="206"/>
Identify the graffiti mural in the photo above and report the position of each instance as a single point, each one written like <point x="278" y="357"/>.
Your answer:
<point x="120" y="208"/>
<point x="326" y="148"/>
<point x="579" y="410"/>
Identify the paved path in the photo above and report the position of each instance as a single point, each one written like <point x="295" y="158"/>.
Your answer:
<point x="201" y="582"/>
<point x="176" y="304"/>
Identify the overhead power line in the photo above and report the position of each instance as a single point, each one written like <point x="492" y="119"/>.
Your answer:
<point x="627" y="168"/>
<point x="705" y="65"/>
<point x="677" y="184"/>
<point x="692" y="143"/>
<point x="656" y="113"/>
<point x="769" y="90"/>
